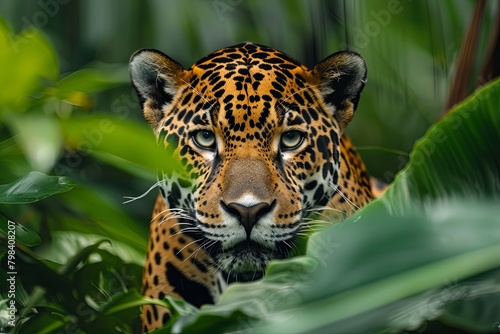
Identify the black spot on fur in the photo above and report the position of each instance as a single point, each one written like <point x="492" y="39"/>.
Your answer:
<point x="155" y="312"/>
<point x="201" y="267"/>
<point x="191" y="291"/>
<point x="175" y="191"/>
<point x="319" y="196"/>
<point x="178" y="254"/>
<point x="322" y="144"/>
<point x="157" y="258"/>
<point x="311" y="185"/>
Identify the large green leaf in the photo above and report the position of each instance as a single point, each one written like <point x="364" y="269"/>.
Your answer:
<point x="383" y="259"/>
<point x="458" y="157"/>
<point x="435" y="229"/>
<point x="34" y="187"/>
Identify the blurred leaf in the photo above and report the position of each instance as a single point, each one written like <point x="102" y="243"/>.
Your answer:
<point x="22" y="234"/>
<point x="127" y="145"/>
<point x="23" y="73"/>
<point x="75" y="87"/>
<point x="39" y="137"/>
<point x="134" y="168"/>
<point x="12" y="160"/>
<point x="398" y="246"/>
<point x="471" y="305"/>
<point x="457" y="158"/>
<point x="33" y="187"/>
<point x="481" y="309"/>
<point x="386" y="259"/>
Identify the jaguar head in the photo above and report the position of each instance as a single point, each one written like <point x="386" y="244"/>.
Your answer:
<point x="257" y="135"/>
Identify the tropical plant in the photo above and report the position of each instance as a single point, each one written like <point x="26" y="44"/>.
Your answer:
<point x="82" y="238"/>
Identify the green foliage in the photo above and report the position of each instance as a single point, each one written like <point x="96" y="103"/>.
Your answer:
<point x="67" y="276"/>
<point x="106" y="293"/>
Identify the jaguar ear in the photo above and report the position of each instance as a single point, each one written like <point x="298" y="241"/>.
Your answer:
<point x="156" y="79"/>
<point x="341" y="77"/>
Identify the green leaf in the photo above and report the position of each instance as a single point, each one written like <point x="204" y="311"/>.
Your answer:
<point x="437" y="225"/>
<point x="12" y="160"/>
<point x="39" y="137"/>
<point x="22" y="75"/>
<point x="388" y="258"/>
<point x="34" y="187"/>
<point x="127" y="300"/>
<point x="47" y="320"/>
<point x="81" y="256"/>
<point x="124" y="144"/>
<point x="480" y="312"/>
<point x="459" y="157"/>
<point x="67" y="243"/>
<point x="21" y="233"/>
<point x="80" y="289"/>
<point x="92" y="80"/>
<point x="76" y="87"/>
<point x="358" y="267"/>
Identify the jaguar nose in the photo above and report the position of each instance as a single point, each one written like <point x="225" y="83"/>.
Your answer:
<point x="248" y="215"/>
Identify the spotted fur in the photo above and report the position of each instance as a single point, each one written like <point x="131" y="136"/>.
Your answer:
<point x="260" y="140"/>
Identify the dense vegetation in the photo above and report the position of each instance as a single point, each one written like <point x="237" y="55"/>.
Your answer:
<point x="73" y="145"/>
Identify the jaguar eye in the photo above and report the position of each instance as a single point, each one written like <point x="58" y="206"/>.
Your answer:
<point x="205" y="139"/>
<point x="291" y="140"/>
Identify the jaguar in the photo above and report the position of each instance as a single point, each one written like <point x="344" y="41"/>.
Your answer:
<point x="259" y="139"/>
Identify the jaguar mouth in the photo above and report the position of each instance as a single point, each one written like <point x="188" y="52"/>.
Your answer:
<point x="246" y="261"/>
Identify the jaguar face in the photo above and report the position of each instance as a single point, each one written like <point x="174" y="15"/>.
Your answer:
<point x="257" y="135"/>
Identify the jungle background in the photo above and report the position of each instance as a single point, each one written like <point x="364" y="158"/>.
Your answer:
<point x="67" y="109"/>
